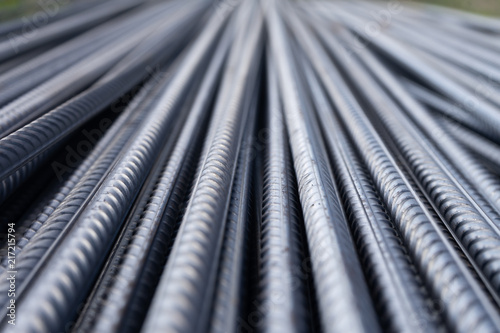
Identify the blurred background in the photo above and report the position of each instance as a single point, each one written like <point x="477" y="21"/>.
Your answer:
<point x="485" y="7"/>
<point x="10" y="9"/>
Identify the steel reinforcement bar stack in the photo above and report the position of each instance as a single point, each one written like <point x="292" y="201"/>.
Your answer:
<point x="249" y="166"/>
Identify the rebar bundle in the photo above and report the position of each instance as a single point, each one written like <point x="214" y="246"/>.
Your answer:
<point x="250" y="166"/>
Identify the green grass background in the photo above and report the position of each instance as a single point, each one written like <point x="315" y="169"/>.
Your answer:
<point x="10" y="9"/>
<point x="485" y="7"/>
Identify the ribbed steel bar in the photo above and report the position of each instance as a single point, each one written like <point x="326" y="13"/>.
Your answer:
<point x="283" y="283"/>
<point x="151" y="236"/>
<point x="476" y="58"/>
<point x="439" y="48"/>
<point x="488" y="186"/>
<point x="386" y="264"/>
<point x="482" y="86"/>
<point x="22" y="150"/>
<point x="479" y="146"/>
<point x="393" y="49"/>
<point x="51" y="12"/>
<point x="18" y="43"/>
<point x="475" y="173"/>
<point x="342" y="294"/>
<point x="249" y="166"/>
<point x="446" y="108"/>
<point x="408" y="141"/>
<point x="64" y="209"/>
<point x="229" y="293"/>
<point x="426" y="241"/>
<point x="183" y="300"/>
<point x="99" y="220"/>
<point x="479" y="58"/>
<point x="29" y="74"/>
<point x="55" y="91"/>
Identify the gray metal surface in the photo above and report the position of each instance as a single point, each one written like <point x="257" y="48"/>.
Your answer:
<point x="250" y="166"/>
